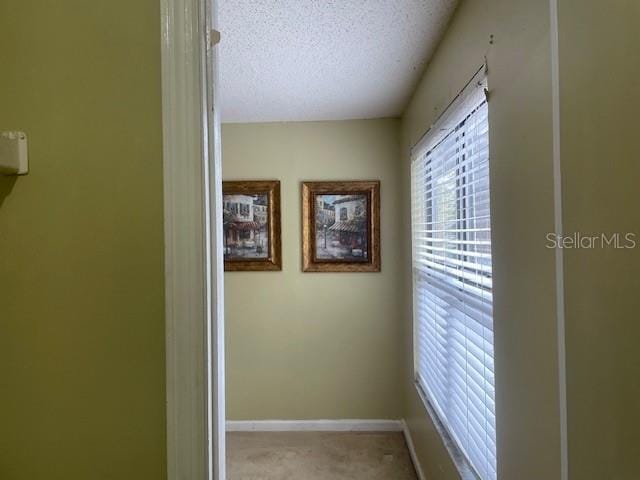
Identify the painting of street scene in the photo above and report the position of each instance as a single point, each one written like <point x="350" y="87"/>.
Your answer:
<point x="245" y="221"/>
<point x="341" y="227"/>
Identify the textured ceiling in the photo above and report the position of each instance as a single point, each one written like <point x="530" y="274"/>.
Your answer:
<point x="292" y="60"/>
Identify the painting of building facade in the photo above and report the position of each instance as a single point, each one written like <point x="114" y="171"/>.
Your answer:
<point x="245" y="226"/>
<point x="341" y="226"/>
<point x="251" y="224"/>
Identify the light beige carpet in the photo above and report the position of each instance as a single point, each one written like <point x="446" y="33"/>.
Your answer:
<point x="318" y="456"/>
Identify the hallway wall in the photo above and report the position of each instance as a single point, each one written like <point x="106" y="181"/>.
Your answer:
<point x="315" y="345"/>
<point x="599" y="71"/>
<point x="82" y="389"/>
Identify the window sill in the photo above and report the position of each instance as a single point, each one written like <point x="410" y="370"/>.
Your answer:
<point x="465" y="470"/>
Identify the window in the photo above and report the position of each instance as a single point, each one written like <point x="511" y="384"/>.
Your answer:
<point x="244" y="209"/>
<point x="452" y="282"/>
<point x="343" y="214"/>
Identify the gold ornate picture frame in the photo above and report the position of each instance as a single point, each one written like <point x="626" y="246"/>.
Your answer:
<point x="251" y="222"/>
<point x="341" y="226"/>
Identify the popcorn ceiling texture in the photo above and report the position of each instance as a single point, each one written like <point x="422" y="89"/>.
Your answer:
<point x="296" y="60"/>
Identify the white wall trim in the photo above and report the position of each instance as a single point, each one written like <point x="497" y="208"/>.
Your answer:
<point x="195" y="435"/>
<point x="315" y="426"/>
<point x="412" y="451"/>
<point x="558" y="226"/>
<point x="214" y="240"/>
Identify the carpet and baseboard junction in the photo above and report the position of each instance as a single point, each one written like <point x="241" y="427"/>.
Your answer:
<point x="321" y="450"/>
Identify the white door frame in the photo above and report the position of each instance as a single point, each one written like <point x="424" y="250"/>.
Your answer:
<point x="193" y="243"/>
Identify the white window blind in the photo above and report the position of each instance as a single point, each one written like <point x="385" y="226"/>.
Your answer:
<point x="452" y="285"/>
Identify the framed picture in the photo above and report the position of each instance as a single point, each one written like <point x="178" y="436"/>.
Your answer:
<point x="341" y="226"/>
<point x="251" y="222"/>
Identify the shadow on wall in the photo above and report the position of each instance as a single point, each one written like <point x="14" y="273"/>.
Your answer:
<point x="6" y="185"/>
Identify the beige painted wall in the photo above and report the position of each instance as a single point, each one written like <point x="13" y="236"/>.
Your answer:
<point x="315" y="345"/>
<point x="522" y="205"/>
<point x="82" y="390"/>
<point x="599" y="75"/>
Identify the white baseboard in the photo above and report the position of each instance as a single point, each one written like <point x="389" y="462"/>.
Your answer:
<point x="412" y="451"/>
<point x="315" y="426"/>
